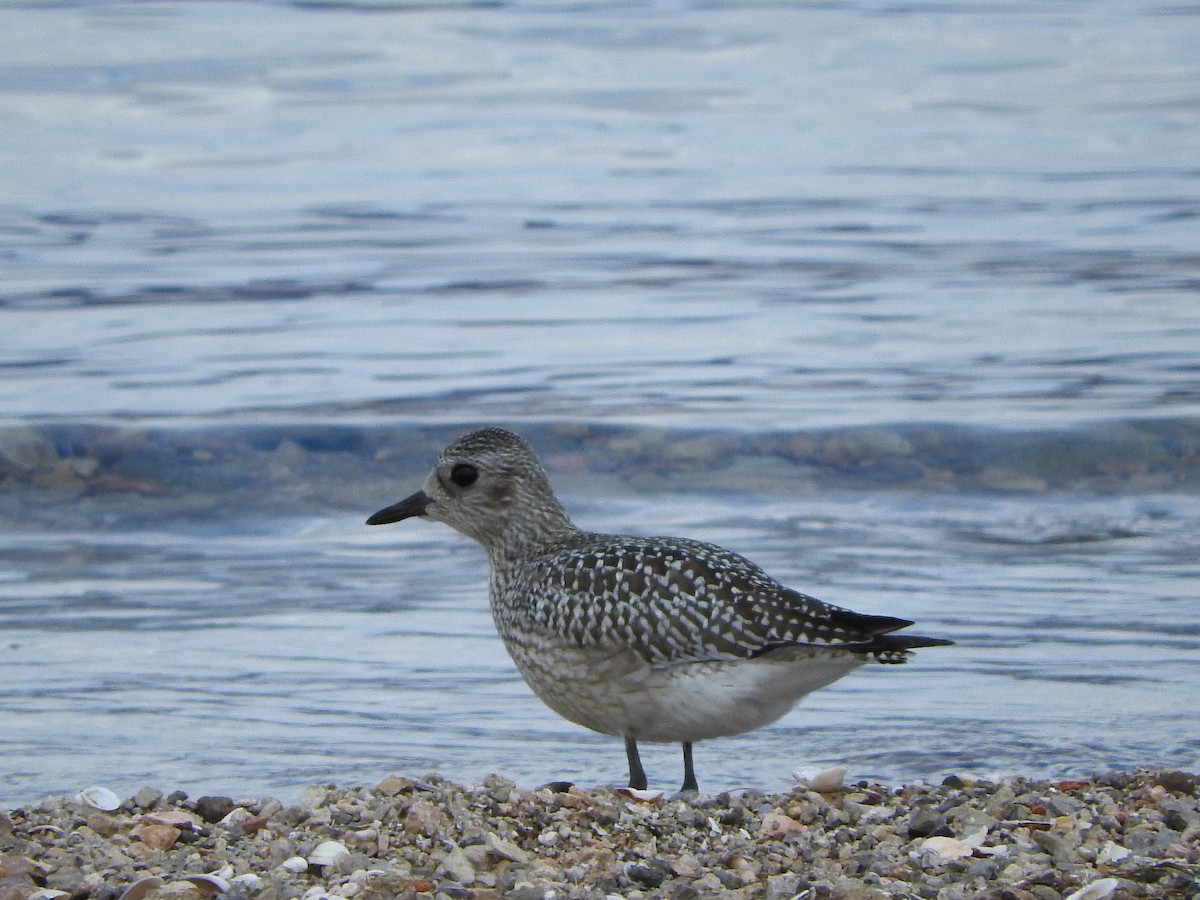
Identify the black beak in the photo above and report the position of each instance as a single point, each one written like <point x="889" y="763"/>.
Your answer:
<point x="405" y="509"/>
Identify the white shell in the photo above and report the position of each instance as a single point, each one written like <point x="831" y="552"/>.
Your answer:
<point x="295" y="864"/>
<point x="48" y="894"/>
<point x="142" y="887"/>
<point x="946" y="848"/>
<point x="826" y="781"/>
<point x="209" y="885"/>
<point x="649" y="796"/>
<point x="1113" y="852"/>
<point x="327" y="853"/>
<point x="99" y="798"/>
<point x="1097" y="890"/>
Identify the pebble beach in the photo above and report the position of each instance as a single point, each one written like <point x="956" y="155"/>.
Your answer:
<point x="1120" y="836"/>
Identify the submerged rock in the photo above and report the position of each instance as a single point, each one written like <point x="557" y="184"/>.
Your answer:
<point x="23" y="450"/>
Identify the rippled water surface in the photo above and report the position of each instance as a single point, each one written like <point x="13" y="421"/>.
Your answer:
<point x="900" y="300"/>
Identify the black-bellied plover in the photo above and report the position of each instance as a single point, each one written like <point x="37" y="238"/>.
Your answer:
<point x="648" y="639"/>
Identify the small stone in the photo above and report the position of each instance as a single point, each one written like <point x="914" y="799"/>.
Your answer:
<point x="651" y="873"/>
<point x="785" y="886"/>
<point x="924" y="822"/>
<point x="775" y="824"/>
<point x="983" y="868"/>
<point x="498" y="788"/>
<point x="16" y="887"/>
<point x="457" y="866"/>
<point x="255" y="823"/>
<point x="1051" y="843"/>
<point x="236" y="820"/>
<point x="728" y="879"/>
<point x="214" y="809"/>
<point x="687" y="866"/>
<point x="156" y="835"/>
<point x="572" y="796"/>
<point x="1063" y="804"/>
<point x="103" y="824"/>
<point x="291" y="816"/>
<point x="312" y="797"/>
<point x="1178" y="782"/>
<point x="393" y="785"/>
<point x="147" y="798"/>
<point x="1180" y="815"/>
<point x="140" y="852"/>
<point x="505" y="849"/>
<point x="745" y="869"/>
<point x="1070" y="784"/>
<point x="424" y="818"/>
<point x="708" y="884"/>
<point x="178" y="818"/>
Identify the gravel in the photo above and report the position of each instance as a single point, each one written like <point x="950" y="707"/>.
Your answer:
<point x="1119" y="836"/>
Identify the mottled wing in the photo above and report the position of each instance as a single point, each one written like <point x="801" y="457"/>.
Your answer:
<point x="683" y="601"/>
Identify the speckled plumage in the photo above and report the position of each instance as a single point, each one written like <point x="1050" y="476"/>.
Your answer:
<point x="658" y="639"/>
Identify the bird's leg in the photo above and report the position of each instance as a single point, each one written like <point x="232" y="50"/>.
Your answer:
<point x="637" y="775"/>
<point x="689" y="773"/>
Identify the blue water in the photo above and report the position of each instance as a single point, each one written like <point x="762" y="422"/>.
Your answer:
<point x="901" y="300"/>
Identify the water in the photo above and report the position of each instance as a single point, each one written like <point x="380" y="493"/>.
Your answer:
<point x="898" y="299"/>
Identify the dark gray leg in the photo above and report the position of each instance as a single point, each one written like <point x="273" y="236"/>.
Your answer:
<point x="637" y="775"/>
<point x="689" y="773"/>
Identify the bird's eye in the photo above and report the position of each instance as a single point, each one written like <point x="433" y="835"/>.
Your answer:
<point x="464" y="474"/>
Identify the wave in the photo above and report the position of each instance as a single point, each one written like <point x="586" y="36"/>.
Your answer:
<point x="233" y="471"/>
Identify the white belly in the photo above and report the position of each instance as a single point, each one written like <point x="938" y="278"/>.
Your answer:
<point x="618" y="693"/>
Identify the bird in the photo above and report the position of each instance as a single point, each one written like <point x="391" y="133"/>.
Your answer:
<point x="648" y="639"/>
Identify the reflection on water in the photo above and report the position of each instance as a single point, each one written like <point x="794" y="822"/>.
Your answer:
<point x="666" y="327"/>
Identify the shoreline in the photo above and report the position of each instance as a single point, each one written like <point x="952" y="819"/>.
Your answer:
<point x="1121" y="836"/>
